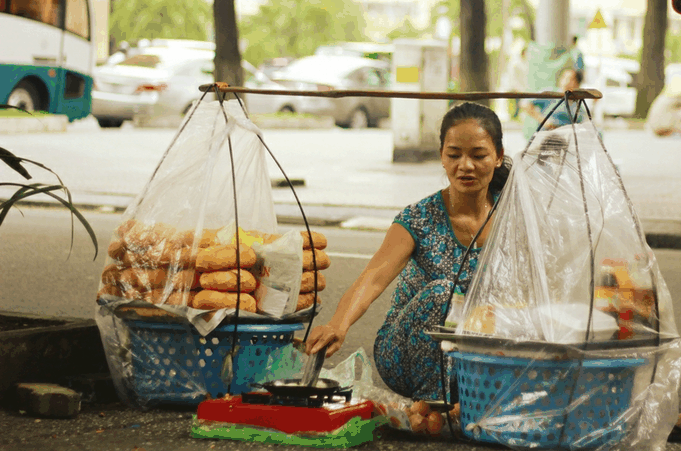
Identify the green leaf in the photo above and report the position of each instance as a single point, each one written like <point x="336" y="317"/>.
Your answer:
<point x="26" y="191"/>
<point x="7" y="107"/>
<point x="14" y="162"/>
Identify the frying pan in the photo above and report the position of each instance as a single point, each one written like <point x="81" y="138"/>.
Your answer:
<point x="294" y="387"/>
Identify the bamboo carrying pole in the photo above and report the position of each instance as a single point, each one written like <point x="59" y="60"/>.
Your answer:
<point x="575" y="95"/>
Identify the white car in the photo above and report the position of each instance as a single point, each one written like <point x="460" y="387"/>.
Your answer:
<point x="616" y="83"/>
<point x="158" y="85"/>
<point x="332" y="72"/>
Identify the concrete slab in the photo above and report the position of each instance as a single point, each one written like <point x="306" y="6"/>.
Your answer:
<point x="34" y="124"/>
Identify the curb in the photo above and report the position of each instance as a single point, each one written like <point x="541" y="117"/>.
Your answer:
<point x="34" y="124"/>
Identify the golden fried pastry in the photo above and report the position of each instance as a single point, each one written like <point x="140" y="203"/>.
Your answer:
<point x="227" y="281"/>
<point x="222" y="257"/>
<point x="111" y="274"/>
<point x="318" y="239"/>
<point x="323" y="260"/>
<point x="186" y="279"/>
<point x="306" y="300"/>
<point x="213" y="300"/>
<point x="148" y="312"/>
<point x="116" y="249"/>
<point x="111" y="290"/>
<point x="307" y="282"/>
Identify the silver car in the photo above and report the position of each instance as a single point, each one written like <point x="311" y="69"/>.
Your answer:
<point x="331" y="72"/>
<point x="158" y="86"/>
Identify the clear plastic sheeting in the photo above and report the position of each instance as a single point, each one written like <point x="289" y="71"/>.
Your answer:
<point x="567" y="337"/>
<point x="177" y="282"/>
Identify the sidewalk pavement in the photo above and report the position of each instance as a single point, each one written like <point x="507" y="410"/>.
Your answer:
<point x="356" y="185"/>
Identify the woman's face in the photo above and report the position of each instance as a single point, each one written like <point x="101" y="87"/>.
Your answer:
<point x="568" y="81"/>
<point x="469" y="157"/>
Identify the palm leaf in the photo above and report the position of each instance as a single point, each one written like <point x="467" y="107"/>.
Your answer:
<point x="7" y="107"/>
<point x="26" y="191"/>
<point x="14" y="162"/>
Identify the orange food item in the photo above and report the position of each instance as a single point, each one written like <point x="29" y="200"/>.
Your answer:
<point x="456" y="411"/>
<point x="116" y="249"/>
<point x="186" y="279"/>
<point x="111" y="290"/>
<point x="420" y="407"/>
<point x="222" y="257"/>
<point x="306" y="300"/>
<point x="111" y="274"/>
<point x="149" y="312"/>
<point x="418" y="423"/>
<point x="142" y="236"/>
<point x="178" y="298"/>
<point x="214" y="300"/>
<point x="322" y="258"/>
<point x="318" y="239"/>
<point x="434" y="423"/>
<point x="307" y="282"/>
<point x="227" y="281"/>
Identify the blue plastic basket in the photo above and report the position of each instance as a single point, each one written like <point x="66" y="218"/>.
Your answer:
<point x="544" y="403"/>
<point x="173" y="363"/>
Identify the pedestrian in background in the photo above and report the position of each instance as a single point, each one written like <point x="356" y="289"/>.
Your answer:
<point x="577" y="56"/>
<point x="424" y="249"/>
<point x="537" y="109"/>
<point x="518" y="75"/>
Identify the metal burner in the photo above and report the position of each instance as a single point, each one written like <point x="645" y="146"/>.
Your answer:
<point x="266" y="398"/>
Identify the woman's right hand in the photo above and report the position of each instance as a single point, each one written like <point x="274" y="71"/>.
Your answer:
<point x="323" y="335"/>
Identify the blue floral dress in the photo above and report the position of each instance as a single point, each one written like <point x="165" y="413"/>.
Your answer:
<point x="407" y="359"/>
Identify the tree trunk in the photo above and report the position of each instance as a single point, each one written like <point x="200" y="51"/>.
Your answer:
<point x="227" y="56"/>
<point x="651" y="77"/>
<point x="473" y="59"/>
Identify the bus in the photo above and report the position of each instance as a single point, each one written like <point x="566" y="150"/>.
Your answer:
<point x="48" y="55"/>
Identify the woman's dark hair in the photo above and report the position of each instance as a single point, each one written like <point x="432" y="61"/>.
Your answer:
<point x="489" y="121"/>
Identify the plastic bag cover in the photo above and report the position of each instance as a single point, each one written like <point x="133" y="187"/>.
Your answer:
<point x="152" y="271"/>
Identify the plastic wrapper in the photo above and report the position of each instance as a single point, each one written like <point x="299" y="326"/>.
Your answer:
<point x="173" y="278"/>
<point x="566" y="339"/>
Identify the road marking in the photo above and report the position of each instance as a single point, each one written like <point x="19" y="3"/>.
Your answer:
<point x="345" y="255"/>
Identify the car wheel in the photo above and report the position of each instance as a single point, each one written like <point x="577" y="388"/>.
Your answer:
<point x="359" y="118"/>
<point x="24" y="96"/>
<point x="109" y="123"/>
<point x="287" y="109"/>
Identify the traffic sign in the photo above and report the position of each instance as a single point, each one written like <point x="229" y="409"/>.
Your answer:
<point x="598" y="21"/>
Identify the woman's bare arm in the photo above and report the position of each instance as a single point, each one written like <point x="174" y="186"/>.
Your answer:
<point x="384" y="266"/>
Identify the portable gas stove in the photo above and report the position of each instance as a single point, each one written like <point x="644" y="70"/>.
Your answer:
<point x="289" y="414"/>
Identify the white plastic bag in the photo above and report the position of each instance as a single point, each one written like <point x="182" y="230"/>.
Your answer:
<point x="279" y="273"/>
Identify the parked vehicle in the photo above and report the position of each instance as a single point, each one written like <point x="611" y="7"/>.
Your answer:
<point x="159" y="83"/>
<point x="614" y="77"/>
<point x="48" y="56"/>
<point x="373" y="50"/>
<point x="327" y="72"/>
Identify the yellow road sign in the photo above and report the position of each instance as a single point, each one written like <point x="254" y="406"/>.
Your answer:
<point x="598" y="21"/>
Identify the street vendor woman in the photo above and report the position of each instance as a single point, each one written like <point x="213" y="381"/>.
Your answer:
<point x="424" y="248"/>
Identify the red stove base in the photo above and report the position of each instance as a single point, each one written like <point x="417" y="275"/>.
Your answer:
<point x="289" y="419"/>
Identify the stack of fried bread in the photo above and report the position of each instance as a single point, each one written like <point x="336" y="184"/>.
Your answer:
<point x="154" y="263"/>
